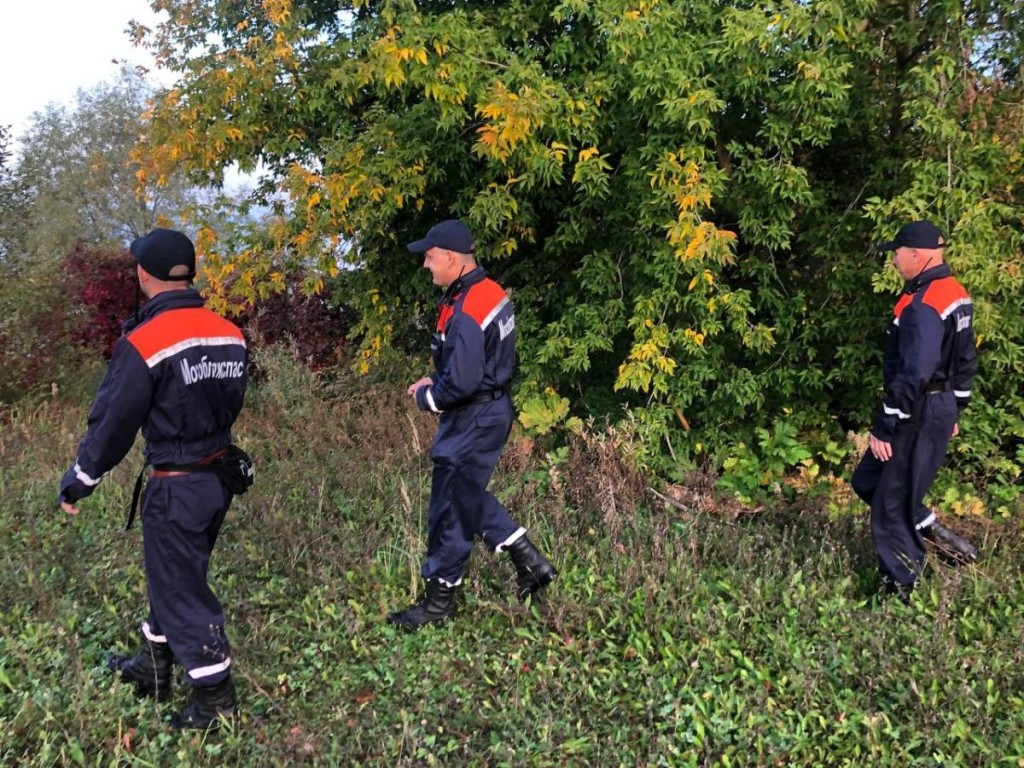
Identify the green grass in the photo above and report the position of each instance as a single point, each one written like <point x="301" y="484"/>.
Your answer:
<point x="671" y="637"/>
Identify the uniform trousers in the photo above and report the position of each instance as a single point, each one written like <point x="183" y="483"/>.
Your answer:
<point x="181" y="518"/>
<point x="466" y="449"/>
<point x="896" y="488"/>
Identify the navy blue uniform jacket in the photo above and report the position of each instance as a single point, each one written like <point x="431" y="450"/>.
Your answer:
<point x="930" y="343"/>
<point x="179" y="375"/>
<point x="474" y="348"/>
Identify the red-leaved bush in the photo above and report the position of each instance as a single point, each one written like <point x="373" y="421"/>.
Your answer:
<point x="78" y="318"/>
<point x="317" y="329"/>
<point x="64" y="320"/>
<point x="101" y="290"/>
<point x="101" y="287"/>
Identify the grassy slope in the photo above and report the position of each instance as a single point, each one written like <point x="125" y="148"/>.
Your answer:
<point x="672" y="638"/>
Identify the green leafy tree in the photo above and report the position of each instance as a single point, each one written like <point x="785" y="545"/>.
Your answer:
<point x="73" y="188"/>
<point x="87" y="184"/>
<point x="14" y="209"/>
<point x="682" y="196"/>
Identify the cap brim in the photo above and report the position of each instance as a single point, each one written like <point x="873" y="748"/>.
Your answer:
<point x="890" y="246"/>
<point x="419" y="246"/>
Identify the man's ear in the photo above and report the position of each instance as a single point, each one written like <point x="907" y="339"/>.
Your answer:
<point x="144" y="277"/>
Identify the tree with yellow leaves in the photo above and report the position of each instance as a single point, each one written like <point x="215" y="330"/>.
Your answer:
<point x="682" y="196"/>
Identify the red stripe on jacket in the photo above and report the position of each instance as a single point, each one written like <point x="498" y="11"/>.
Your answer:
<point x="481" y="300"/>
<point x="178" y="329"/>
<point x="945" y="295"/>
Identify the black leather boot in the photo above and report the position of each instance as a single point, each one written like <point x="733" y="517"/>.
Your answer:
<point x="149" y="669"/>
<point x="533" y="571"/>
<point x="209" y="707"/>
<point x="951" y="546"/>
<point x="438" y="604"/>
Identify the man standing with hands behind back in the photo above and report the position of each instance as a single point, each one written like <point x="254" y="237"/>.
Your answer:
<point x="929" y="367"/>
<point x="474" y="358"/>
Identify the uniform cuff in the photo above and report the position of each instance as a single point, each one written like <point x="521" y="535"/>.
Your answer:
<point x="884" y="429"/>
<point x="425" y="400"/>
<point x="75" y="485"/>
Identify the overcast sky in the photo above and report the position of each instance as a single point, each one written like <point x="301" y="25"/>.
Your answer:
<point x="49" y="49"/>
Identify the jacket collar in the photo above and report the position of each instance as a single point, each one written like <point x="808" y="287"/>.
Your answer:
<point x="186" y="298"/>
<point x="917" y="283"/>
<point x="475" y="275"/>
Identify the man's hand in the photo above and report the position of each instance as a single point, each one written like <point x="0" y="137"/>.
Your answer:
<point x="426" y="381"/>
<point x="956" y="429"/>
<point x="71" y="509"/>
<point x="879" y="448"/>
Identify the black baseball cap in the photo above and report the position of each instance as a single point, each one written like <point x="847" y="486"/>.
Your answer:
<point x="166" y="254"/>
<point x="916" y="234"/>
<point x="452" y="235"/>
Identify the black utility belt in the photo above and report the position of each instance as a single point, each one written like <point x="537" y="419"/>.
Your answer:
<point x="485" y="397"/>
<point x="232" y="465"/>
<point x="940" y="386"/>
<point x="206" y="464"/>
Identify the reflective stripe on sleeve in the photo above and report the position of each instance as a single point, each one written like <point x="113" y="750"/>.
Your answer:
<point x="84" y="478"/>
<point x="894" y="412"/>
<point x="430" y="402"/>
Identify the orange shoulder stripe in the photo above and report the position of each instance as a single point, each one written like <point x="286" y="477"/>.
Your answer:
<point x="945" y="296"/>
<point x="176" y="330"/>
<point x="905" y="299"/>
<point x="483" y="301"/>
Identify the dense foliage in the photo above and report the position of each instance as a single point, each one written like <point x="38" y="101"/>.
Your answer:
<point x="85" y="185"/>
<point x="704" y="637"/>
<point x="66" y="323"/>
<point x="70" y="202"/>
<point x="101" y="291"/>
<point x="314" y="328"/>
<point x="682" y="196"/>
<point x="13" y="203"/>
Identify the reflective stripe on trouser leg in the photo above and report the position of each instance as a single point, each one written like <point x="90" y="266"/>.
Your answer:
<point x="181" y="519"/>
<point x="922" y="448"/>
<point x="516" y="536"/>
<point x="154" y="636"/>
<point x="865" y="480"/>
<point x="939" y="415"/>
<point x="448" y="545"/>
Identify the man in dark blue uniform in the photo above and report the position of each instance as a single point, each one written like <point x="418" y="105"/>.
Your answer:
<point x="474" y="359"/>
<point x="179" y="374"/>
<point x="929" y="367"/>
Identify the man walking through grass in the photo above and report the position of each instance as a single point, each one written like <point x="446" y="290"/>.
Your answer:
<point x="929" y="367"/>
<point x="474" y="359"/>
<point x="178" y="374"/>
